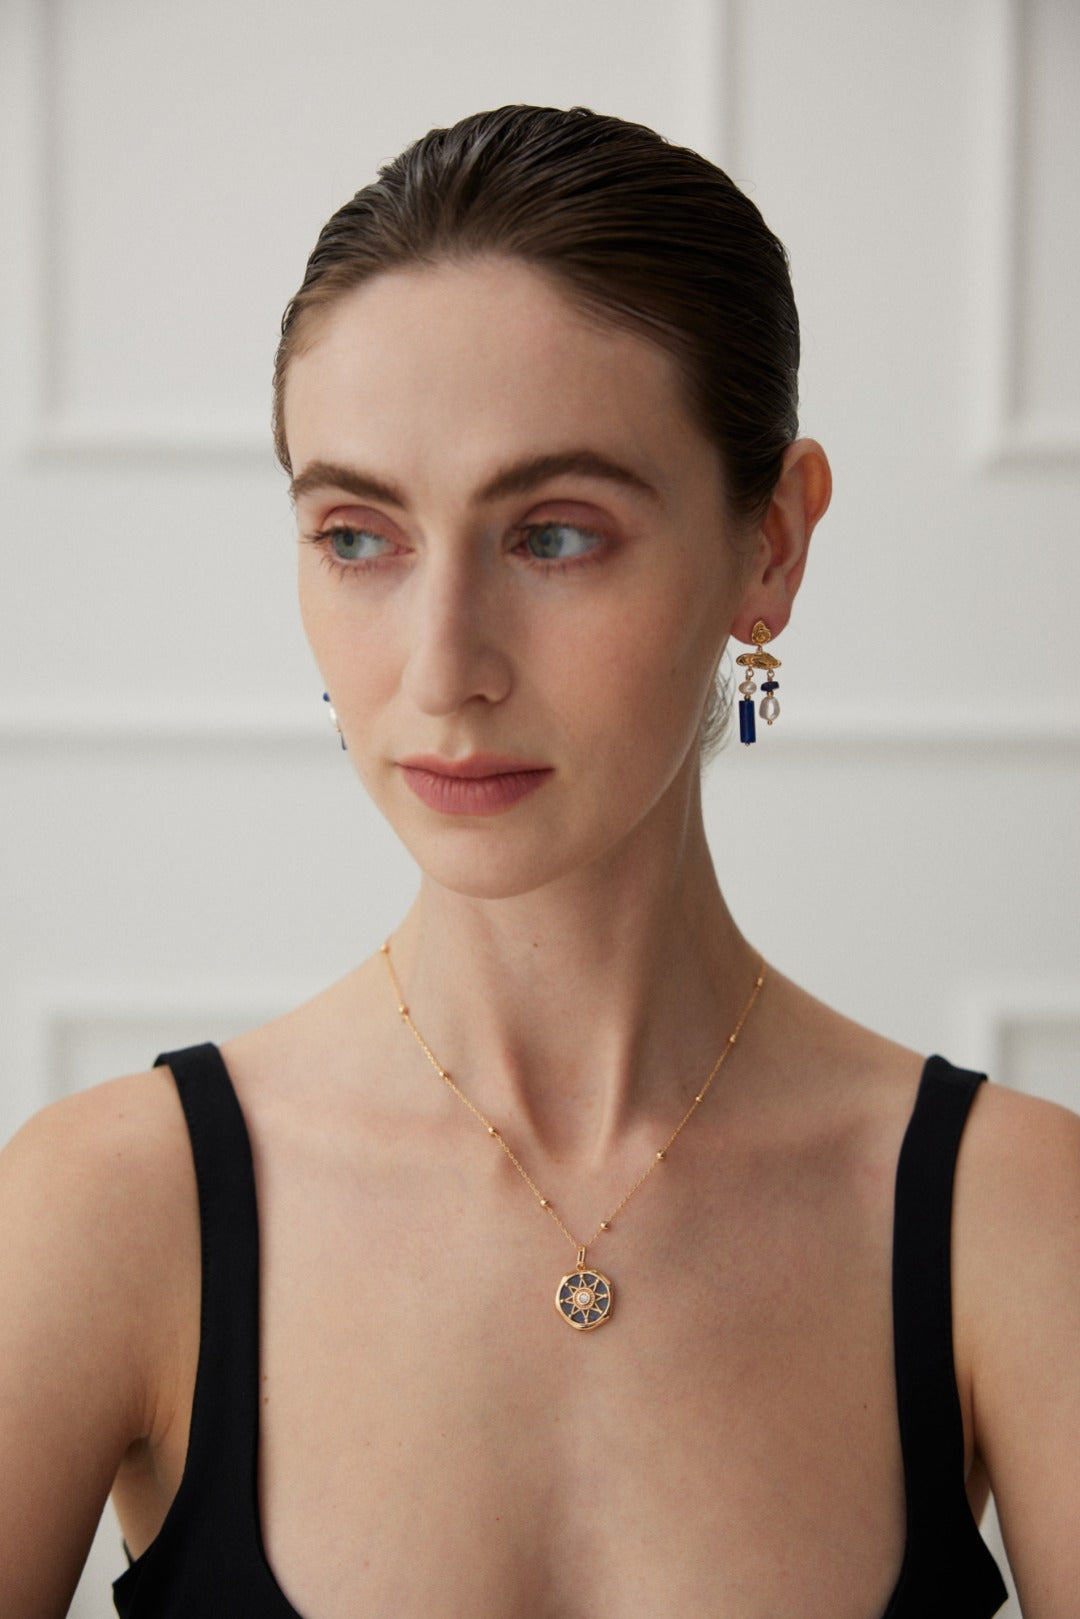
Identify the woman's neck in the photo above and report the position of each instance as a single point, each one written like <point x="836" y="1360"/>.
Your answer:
<point x="587" y="1011"/>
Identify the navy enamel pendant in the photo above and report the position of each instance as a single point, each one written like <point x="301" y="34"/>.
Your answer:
<point x="583" y="1299"/>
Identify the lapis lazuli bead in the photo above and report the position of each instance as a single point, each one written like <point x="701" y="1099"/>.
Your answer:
<point x="747" y="730"/>
<point x="770" y="685"/>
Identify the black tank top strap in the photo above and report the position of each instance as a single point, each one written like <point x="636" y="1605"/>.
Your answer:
<point x="948" y="1566"/>
<point x="225" y="1411"/>
<point x="214" y="1518"/>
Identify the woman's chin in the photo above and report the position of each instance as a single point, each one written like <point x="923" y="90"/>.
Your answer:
<point x="486" y="873"/>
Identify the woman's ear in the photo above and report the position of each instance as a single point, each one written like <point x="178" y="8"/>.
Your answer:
<point x="775" y="571"/>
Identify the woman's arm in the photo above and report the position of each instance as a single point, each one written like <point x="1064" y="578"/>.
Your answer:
<point x="85" y="1193"/>
<point x="1017" y="1261"/>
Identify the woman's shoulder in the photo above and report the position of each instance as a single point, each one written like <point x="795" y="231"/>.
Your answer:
<point x="98" y="1276"/>
<point x="99" y="1211"/>
<point x="1016" y="1229"/>
<point x="1018" y="1189"/>
<point x="94" y="1151"/>
<point x="1016" y="1314"/>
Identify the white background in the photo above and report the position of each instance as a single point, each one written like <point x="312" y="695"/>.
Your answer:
<point x="184" y="850"/>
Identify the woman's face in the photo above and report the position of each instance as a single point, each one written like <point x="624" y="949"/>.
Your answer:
<point x="514" y="563"/>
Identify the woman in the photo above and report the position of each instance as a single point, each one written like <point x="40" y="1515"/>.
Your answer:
<point x="575" y="1279"/>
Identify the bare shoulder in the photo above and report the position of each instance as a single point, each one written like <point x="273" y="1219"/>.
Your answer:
<point x="101" y="1160"/>
<point x="1016" y="1258"/>
<point x="1018" y="1177"/>
<point x="100" y="1226"/>
<point x="97" y="1194"/>
<point x="1016" y="1228"/>
<point x="141" y="1106"/>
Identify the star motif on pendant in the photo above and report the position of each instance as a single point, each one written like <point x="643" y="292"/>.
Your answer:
<point x="583" y="1299"/>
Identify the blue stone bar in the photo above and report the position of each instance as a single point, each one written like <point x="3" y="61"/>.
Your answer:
<point x="747" y="731"/>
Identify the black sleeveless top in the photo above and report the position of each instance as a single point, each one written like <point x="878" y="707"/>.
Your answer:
<point x="209" y="1560"/>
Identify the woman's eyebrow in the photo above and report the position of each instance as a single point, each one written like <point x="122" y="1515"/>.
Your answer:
<point x="522" y="476"/>
<point x="516" y="479"/>
<point x="353" y="480"/>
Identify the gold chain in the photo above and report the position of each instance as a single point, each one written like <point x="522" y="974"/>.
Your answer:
<point x="545" y="1202"/>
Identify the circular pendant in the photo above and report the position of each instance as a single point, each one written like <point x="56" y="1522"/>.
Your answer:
<point x="583" y="1299"/>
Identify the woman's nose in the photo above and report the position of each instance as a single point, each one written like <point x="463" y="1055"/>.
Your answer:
<point x="456" y="645"/>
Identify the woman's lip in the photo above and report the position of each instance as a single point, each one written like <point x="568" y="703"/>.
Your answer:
<point x="472" y="790"/>
<point x="471" y="768"/>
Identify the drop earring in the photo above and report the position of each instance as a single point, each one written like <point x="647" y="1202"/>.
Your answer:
<point x="770" y="708"/>
<point x="332" y="715"/>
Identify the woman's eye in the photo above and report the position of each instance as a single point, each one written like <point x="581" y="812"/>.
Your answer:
<point x="355" y="544"/>
<point x="558" y="542"/>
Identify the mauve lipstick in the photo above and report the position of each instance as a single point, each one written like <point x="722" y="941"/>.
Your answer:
<point x="482" y="784"/>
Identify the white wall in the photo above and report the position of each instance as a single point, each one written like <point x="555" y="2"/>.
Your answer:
<point x="183" y="848"/>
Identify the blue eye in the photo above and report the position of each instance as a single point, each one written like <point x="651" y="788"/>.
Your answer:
<point x="355" y="544"/>
<point x="558" y="542"/>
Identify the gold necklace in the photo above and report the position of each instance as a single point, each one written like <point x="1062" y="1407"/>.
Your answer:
<point x="584" y="1296"/>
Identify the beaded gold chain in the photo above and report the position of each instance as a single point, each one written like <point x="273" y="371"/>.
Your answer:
<point x="584" y="1296"/>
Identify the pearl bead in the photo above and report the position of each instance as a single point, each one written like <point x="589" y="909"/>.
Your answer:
<point x="769" y="709"/>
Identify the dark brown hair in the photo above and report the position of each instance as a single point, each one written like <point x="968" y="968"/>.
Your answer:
<point x="640" y="233"/>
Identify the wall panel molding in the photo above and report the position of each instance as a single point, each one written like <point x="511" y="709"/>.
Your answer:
<point x="996" y="1018"/>
<point x="52" y="1021"/>
<point x="66" y="434"/>
<point x="1005" y="432"/>
<point x="59" y="429"/>
<point x="904" y="728"/>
